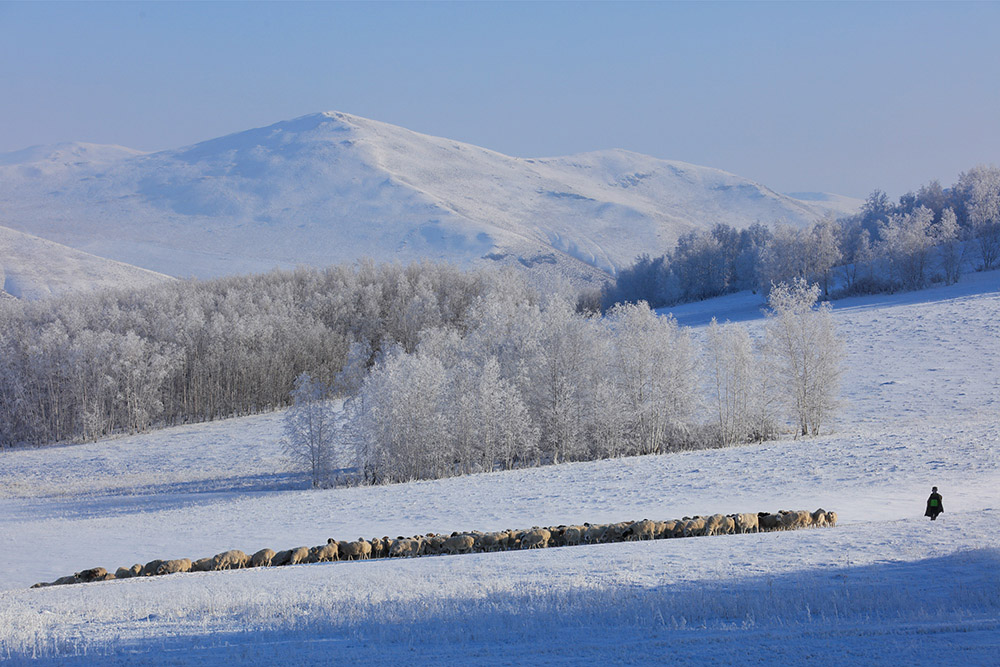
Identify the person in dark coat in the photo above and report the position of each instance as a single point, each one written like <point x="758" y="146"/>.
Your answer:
<point x="934" y="504"/>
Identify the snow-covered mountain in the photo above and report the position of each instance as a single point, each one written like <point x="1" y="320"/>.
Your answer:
<point x="331" y="187"/>
<point x="32" y="268"/>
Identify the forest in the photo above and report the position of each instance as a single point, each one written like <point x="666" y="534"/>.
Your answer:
<point x="927" y="237"/>
<point x="444" y="371"/>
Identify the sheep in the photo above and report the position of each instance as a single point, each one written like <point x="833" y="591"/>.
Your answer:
<point x="93" y="574"/>
<point x="640" y="530"/>
<point x="366" y="548"/>
<point x="573" y="535"/>
<point x="61" y="581"/>
<point x="556" y="532"/>
<point x="794" y="520"/>
<point x="537" y="538"/>
<point x="694" y="527"/>
<point x="150" y="568"/>
<point x="325" y="552"/>
<point x="404" y="548"/>
<point x="715" y="525"/>
<point x="174" y="566"/>
<point x="767" y="521"/>
<point x="202" y="565"/>
<point x="128" y="572"/>
<point x="819" y="517"/>
<point x="831" y="518"/>
<point x="747" y="523"/>
<point x="432" y="544"/>
<point x="297" y="555"/>
<point x="490" y="542"/>
<point x="262" y="558"/>
<point x="459" y="544"/>
<point x="380" y="547"/>
<point x="615" y="531"/>
<point x="233" y="559"/>
<point x="594" y="534"/>
<point x="664" y="529"/>
<point x="359" y="550"/>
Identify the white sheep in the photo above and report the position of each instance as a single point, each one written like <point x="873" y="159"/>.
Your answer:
<point x="174" y="566"/>
<point x="233" y="559"/>
<point x="128" y="572"/>
<point x="325" y="552"/>
<point x="262" y="558"/>
<point x="796" y="520"/>
<point x="150" y="568"/>
<point x="715" y="525"/>
<point x="404" y="548"/>
<point x="573" y="535"/>
<point x="695" y="527"/>
<point x="459" y="544"/>
<point x="358" y="550"/>
<point x="202" y="565"/>
<point x="490" y="542"/>
<point x="747" y="523"/>
<point x="640" y="530"/>
<point x="432" y="545"/>
<point x="380" y="547"/>
<point x="766" y="521"/>
<point x="537" y="538"/>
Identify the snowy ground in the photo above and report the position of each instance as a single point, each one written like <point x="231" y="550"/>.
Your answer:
<point x="885" y="587"/>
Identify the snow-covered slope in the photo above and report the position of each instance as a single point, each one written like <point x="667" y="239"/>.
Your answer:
<point x="33" y="268"/>
<point x="837" y="206"/>
<point x="330" y="187"/>
<point x="885" y="587"/>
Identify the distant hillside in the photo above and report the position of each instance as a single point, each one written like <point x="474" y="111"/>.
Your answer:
<point x="331" y="187"/>
<point x="836" y="205"/>
<point x="32" y="268"/>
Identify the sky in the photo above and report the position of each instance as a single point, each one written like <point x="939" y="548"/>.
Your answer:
<point x="835" y="97"/>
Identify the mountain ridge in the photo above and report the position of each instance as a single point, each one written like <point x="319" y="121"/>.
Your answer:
<point x="330" y="187"/>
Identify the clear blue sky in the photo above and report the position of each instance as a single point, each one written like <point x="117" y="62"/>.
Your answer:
<point x="836" y="97"/>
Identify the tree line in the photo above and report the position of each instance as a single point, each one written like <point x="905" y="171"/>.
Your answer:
<point x="444" y="371"/>
<point x="82" y="367"/>
<point x="928" y="236"/>
<point x="527" y="380"/>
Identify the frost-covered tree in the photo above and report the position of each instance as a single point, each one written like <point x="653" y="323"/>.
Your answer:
<point x="310" y="429"/>
<point x="906" y="244"/>
<point x="946" y="237"/>
<point x="403" y="427"/>
<point x="980" y="187"/>
<point x="823" y="252"/>
<point x="655" y="368"/>
<point x="805" y="353"/>
<point x="738" y="391"/>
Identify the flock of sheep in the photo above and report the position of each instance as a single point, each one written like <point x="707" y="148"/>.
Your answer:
<point x="470" y="542"/>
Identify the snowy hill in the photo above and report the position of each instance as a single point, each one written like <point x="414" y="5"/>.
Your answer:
<point x="33" y="268"/>
<point x="885" y="587"/>
<point x="331" y="187"/>
<point x="836" y="205"/>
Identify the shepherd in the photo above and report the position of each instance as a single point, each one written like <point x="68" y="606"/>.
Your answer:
<point x="934" y="504"/>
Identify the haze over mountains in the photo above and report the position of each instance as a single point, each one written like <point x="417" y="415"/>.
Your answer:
<point x="331" y="187"/>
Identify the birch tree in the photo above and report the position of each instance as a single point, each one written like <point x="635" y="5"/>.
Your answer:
<point x="309" y="427"/>
<point x="805" y="352"/>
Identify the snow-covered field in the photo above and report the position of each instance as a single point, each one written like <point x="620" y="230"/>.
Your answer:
<point x="885" y="587"/>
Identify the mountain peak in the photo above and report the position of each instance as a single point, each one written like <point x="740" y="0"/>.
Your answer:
<point x="331" y="186"/>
